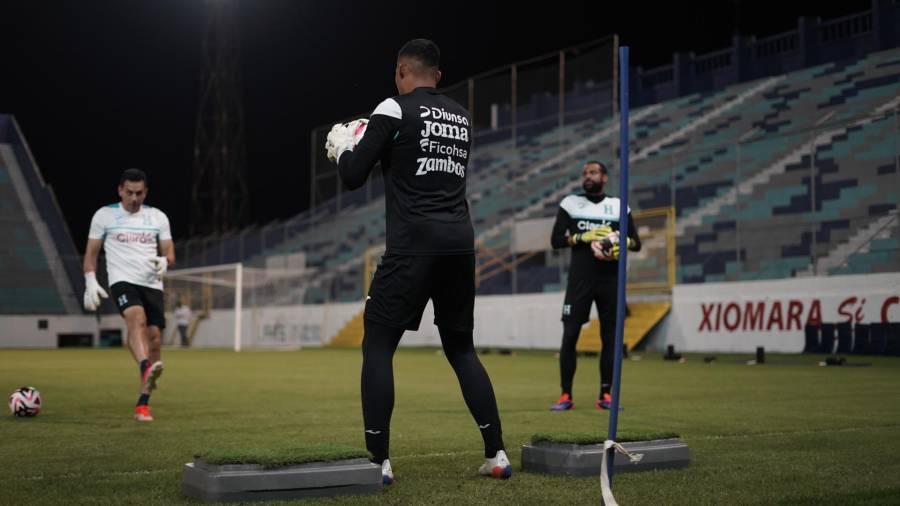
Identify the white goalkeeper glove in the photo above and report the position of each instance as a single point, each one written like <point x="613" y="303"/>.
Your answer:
<point x="160" y="266"/>
<point x="344" y="137"/>
<point x="93" y="292"/>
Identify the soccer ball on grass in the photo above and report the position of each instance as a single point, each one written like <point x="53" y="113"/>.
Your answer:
<point x="25" y="401"/>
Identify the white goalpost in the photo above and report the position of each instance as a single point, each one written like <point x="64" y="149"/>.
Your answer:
<point x="238" y="307"/>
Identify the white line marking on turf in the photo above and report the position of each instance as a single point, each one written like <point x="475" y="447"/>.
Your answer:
<point x="445" y="454"/>
<point x="702" y="438"/>
<point x="67" y="476"/>
<point x="796" y="432"/>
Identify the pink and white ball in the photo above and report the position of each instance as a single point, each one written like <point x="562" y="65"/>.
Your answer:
<point x="358" y="129"/>
<point x="25" y="402"/>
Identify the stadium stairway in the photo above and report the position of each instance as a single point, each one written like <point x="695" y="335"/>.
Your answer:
<point x="714" y="206"/>
<point x="580" y="148"/>
<point x="32" y="279"/>
<point x="858" y="243"/>
<point x="350" y="335"/>
<point x="654" y="147"/>
<point x="643" y="317"/>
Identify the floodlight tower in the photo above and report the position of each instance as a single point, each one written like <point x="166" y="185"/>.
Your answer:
<point x="219" y="192"/>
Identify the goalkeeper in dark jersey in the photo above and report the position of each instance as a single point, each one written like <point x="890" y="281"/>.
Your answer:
<point x="589" y="224"/>
<point x="422" y="140"/>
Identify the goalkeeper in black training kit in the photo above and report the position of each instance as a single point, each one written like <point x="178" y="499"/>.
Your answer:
<point x="589" y="224"/>
<point x="423" y="141"/>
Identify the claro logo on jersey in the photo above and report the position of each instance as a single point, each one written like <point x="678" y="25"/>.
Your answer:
<point x="138" y="237"/>
<point x="587" y="225"/>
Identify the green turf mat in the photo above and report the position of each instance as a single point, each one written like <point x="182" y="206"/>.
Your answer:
<point x="587" y="438"/>
<point x="270" y="458"/>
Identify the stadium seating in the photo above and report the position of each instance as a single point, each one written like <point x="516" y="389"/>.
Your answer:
<point x="26" y="283"/>
<point x="735" y="164"/>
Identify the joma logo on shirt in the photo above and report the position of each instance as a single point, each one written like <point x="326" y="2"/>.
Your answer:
<point x="437" y="129"/>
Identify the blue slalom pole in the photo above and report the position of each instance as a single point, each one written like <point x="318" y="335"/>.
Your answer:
<point x="623" y="253"/>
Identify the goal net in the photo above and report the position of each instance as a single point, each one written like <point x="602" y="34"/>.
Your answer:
<point x="233" y="306"/>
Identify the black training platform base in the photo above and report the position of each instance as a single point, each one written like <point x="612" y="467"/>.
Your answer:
<point x="586" y="459"/>
<point x="252" y="482"/>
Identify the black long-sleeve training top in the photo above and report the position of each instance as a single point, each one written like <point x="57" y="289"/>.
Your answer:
<point x="580" y="213"/>
<point x="423" y="141"/>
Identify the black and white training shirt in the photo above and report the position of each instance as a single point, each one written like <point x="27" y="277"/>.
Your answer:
<point x="422" y="140"/>
<point x="580" y="213"/>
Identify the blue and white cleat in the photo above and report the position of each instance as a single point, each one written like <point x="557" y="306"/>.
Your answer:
<point x="387" y="474"/>
<point x="497" y="467"/>
<point x="564" y="403"/>
<point x="605" y="403"/>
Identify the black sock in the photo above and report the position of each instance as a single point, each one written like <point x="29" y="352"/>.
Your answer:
<point x="143" y="366"/>
<point x="492" y="435"/>
<point x="377" y="386"/>
<point x="607" y="354"/>
<point x="475" y="385"/>
<point x="568" y="359"/>
<point x="378" y="443"/>
<point x="143" y="400"/>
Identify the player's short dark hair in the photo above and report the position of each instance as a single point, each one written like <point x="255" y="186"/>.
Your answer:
<point x="133" y="175"/>
<point x="422" y="50"/>
<point x="603" y="168"/>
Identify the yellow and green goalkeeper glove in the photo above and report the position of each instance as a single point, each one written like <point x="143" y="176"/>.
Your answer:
<point x="594" y="234"/>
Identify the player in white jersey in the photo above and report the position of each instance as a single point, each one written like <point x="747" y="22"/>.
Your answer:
<point x="139" y="250"/>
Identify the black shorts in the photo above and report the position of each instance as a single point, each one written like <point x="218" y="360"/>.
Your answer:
<point x="126" y="295"/>
<point x="403" y="284"/>
<point x="581" y="293"/>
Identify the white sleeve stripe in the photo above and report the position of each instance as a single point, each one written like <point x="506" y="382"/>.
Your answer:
<point x="389" y="107"/>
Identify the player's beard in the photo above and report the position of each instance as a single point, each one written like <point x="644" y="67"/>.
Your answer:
<point x="592" y="187"/>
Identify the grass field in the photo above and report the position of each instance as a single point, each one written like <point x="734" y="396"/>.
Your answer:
<point x="773" y="434"/>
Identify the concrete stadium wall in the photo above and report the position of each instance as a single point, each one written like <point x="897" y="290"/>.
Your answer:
<point x="275" y="326"/>
<point x="26" y="331"/>
<point x="709" y="317"/>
